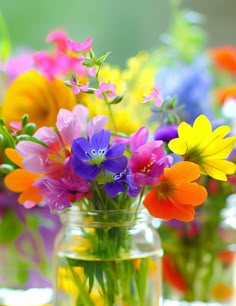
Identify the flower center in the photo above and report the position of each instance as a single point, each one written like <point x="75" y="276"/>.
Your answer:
<point x="165" y="190"/>
<point x="147" y="168"/>
<point x="96" y="157"/>
<point x="193" y="155"/>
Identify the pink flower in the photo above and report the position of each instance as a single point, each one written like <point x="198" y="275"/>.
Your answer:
<point x="155" y="95"/>
<point x="59" y="38"/>
<point x="79" y="46"/>
<point x="18" y="64"/>
<point x="148" y="162"/>
<point x="76" y="87"/>
<point x="106" y="89"/>
<point x="139" y="138"/>
<point x="51" y="158"/>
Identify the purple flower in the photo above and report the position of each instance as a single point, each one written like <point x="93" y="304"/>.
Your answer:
<point x="92" y="156"/>
<point x="123" y="182"/>
<point x="166" y="132"/>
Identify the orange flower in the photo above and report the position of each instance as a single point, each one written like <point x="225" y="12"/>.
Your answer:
<point x="33" y="94"/>
<point x="226" y="256"/>
<point x="176" y="195"/>
<point x="224" y="58"/>
<point x="171" y="275"/>
<point x="222" y="292"/>
<point x="226" y="92"/>
<point x="20" y="180"/>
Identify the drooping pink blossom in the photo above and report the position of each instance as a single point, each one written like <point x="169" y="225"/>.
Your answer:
<point x="155" y="96"/>
<point x="76" y="86"/>
<point x="106" y="89"/>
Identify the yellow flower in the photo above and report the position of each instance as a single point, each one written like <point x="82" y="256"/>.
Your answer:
<point x="207" y="148"/>
<point x="33" y="94"/>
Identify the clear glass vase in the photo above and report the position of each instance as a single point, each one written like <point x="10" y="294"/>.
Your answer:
<point x="107" y="258"/>
<point x="199" y="262"/>
<point x="26" y="246"/>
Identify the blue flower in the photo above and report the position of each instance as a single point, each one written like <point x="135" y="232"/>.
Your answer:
<point x="191" y="84"/>
<point x="122" y="182"/>
<point x="90" y="157"/>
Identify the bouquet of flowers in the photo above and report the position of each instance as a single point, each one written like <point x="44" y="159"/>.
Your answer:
<point x="85" y="162"/>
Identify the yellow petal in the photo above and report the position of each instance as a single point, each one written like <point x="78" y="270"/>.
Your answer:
<point x="219" y="168"/>
<point x="220" y="149"/>
<point x="202" y="126"/>
<point x="178" y="146"/>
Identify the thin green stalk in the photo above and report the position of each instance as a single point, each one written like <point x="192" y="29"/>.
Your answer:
<point x="82" y="293"/>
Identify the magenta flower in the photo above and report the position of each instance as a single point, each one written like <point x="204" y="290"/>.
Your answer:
<point x="61" y="191"/>
<point x="84" y="46"/>
<point x="139" y="138"/>
<point x="148" y="162"/>
<point x="106" y="90"/>
<point x="59" y="37"/>
<point x="155" y="96"/>
<point x="92" y="156"/>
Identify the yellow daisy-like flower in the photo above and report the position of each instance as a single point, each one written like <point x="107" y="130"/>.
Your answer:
<point x="33" y="94"/>
<point x="207" y="148"/>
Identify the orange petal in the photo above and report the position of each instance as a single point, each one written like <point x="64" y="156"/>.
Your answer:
<point x="167" y="209"/>
<point x="182" y="172"/>
<point x="19" y="180"/>
<point x="30" y="194"/>
<point x="190" y="194"/>
<point x="14" y="156"/>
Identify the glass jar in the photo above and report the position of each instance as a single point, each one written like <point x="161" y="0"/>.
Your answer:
<point x="199" y="262"/>
<point x="107" y="258"/>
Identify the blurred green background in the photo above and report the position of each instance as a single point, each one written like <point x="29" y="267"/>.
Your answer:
<point x="123" y="27"/>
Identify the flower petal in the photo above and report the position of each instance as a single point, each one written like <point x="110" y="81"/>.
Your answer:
<point x="164" y="209"/>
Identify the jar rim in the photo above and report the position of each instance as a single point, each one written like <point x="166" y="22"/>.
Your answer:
<point x="96" y="218"/>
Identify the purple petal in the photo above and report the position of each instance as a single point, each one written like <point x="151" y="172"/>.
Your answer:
<point x="114" y="188"/>
<point x="115" y="165"/>
<point x="115" y="150"/>
<point x="100" y="140"/>
<point x="84" y="170"/>
<point x="80" y="147"/>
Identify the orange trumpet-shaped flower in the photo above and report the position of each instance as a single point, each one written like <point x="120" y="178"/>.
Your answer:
<point x="20" y="180"/>
<point x="177" y="194"/>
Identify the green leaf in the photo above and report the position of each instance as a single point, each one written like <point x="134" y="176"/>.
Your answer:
<point x="25" y="119"/>
<point x="116" y="100"/>
<point x="101" y="59"/>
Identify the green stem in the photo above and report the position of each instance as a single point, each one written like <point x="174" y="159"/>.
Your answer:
<point x="82" y="293"/>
